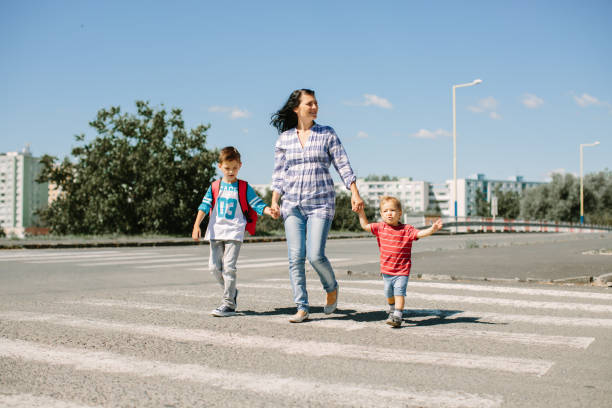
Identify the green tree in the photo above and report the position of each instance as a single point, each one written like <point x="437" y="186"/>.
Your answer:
<point x="347" y="220"/>
<point x="483" y="208"/>
<point x="508" y="203"/>
<point x="559" y="200"/>
<point x="384" y="177"/>
<point x="142" y="173"/>
<point x="598" y="198"/>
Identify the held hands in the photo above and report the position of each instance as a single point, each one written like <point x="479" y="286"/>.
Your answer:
<point x="273" y="212"/>
<point x="356" y="202"/>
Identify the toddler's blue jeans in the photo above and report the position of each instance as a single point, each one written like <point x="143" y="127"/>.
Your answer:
<point x="395" y="285"/>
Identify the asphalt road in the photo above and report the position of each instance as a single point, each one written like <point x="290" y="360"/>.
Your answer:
<point x="130" y="327"/>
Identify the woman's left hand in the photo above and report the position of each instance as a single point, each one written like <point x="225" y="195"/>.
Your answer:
<point x="356" y="202"/>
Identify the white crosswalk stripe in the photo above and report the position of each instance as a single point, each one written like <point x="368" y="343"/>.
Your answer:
<point x="52" y="255"/>
<point x="79" y="258"/>
<point x="493" y="289"/>
<point x="587" y="307"/>
<point x="518" y="356"/>
<point x="82" y="359"/>
<point x="310" y="348"/>
<point x="350" y="325"/>
<point x="33" y="401"/>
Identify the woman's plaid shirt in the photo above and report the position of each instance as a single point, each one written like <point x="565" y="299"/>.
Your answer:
<point x="301" y="175"/>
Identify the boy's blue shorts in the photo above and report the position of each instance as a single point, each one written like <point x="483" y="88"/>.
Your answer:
<point x="395" y="285"/>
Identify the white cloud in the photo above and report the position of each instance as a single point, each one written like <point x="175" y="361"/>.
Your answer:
<point x="532" y="101"/>
<point x="233" y="113"/>
<point x="486" y="105"/>
<point x="375" y="100"/>
<point x="586" y="100"/>
<point x="372" y="100"/>
<point x="428" y="134"/>
<point x="362" y="135"/>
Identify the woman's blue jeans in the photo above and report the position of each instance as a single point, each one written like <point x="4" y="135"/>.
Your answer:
<point x="306" y="238"/>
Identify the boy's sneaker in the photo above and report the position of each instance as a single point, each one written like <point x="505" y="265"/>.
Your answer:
<point x="394" y="320"/>
<point x="223" y="311"/>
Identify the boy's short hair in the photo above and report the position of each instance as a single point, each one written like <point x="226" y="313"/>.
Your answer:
<point x="229" y="153"/>
<point x="385" y="198"/>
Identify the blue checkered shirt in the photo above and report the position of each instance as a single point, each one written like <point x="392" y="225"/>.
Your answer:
<point x="301" y="175"/>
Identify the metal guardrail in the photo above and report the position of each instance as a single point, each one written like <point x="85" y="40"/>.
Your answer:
<point x="481" y="224"/>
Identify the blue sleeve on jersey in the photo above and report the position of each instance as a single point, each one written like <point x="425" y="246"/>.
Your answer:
<point x="254" y="201"/>
<point x="206" y="201"/>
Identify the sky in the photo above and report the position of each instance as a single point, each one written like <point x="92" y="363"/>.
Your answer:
<point x="383" y="74"/>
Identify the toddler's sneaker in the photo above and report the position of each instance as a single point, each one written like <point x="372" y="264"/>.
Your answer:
<point x="223" y="311"/>
<point x="393" y="320"/>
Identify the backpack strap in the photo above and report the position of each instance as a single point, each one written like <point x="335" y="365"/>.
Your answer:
<point x="249" y="213"/>
<point x="215" y="193"/>
<point x="242" y="199"/>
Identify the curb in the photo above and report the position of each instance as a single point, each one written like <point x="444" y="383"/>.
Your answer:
<point x="602" y="280"/>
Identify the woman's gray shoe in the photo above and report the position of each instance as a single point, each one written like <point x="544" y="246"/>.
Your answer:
<point x="329" y="309"/>
<point x="299" y="317"/>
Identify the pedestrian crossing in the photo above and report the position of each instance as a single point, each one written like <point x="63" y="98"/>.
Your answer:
<point x="138" y="259"/>
<point x="454" y="337"/>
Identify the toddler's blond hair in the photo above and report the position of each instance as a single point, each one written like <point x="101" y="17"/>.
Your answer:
<point x="384" y="199"/>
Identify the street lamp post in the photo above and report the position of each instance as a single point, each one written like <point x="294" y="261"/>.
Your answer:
<point x="474" y="82"/>
<point x="582" y="180"/>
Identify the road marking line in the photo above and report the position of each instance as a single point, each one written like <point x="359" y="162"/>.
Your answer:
<point x="258" y="383"/>
<point x="530" y="339"/>
<point x="349" y="324"/>
<point x="173" y="293"/>
<point x="72" y="259"/>
<point x="34" y="401"/>
<point x="308" y="348"/>
<point x="38" y="255"/>
<point x="415" y="316"/>
<point x="483" y="288"/>
<point x="495" y="317"/>
<point x="246" y="265"/>
<point x="587" y="307"/>
<point x="149" y="259"/>
<point x="283" y="263"/>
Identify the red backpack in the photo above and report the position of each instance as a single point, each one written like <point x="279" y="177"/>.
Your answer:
<point x="249" y="213"/>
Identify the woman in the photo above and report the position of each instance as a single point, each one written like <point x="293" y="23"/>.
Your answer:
<point x="302" y="155"/>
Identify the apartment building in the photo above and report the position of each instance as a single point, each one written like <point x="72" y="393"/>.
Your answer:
<point x="20" y="194"/>
<point x="467" y="188"/>
<point x="423" y="196"/>
<point x="414" y="195"/>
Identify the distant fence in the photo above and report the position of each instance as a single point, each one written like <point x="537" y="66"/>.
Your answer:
<point x="483" y="224"/>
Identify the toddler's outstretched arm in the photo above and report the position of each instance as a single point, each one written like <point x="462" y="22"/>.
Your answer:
<point x="363" y="220"/>
<point x="436" y="226"/>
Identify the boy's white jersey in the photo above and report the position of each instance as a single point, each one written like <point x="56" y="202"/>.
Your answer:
<point x="227" y="221"/>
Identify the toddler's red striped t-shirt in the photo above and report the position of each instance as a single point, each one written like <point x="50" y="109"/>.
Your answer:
<point x="395" y="244"/>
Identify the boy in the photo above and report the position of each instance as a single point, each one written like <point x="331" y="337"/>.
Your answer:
<point x="226" y="226"/>
<point x="395" y="244"/>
